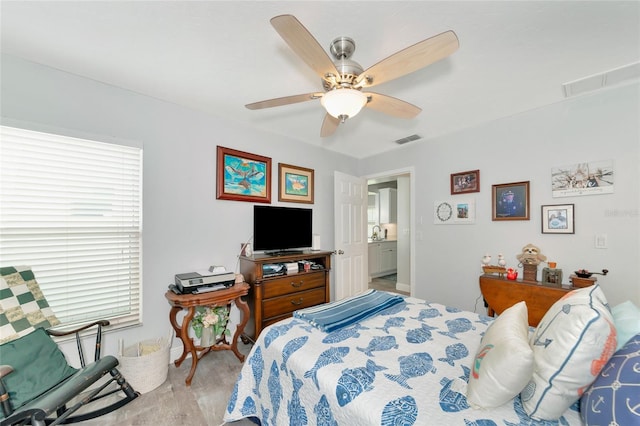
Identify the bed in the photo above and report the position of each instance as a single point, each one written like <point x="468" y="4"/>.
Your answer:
<point x="407" y="364"/>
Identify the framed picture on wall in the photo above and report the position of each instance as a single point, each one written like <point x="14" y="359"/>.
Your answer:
<point x="592" y="178"/>
<point x="242" y="176"/>
<point x="464" y="182"/>
<point x="454" y="212"/>
<point x="295" y="184"/>
<point x="510" y="201"/>
<point x="558" y="219"/>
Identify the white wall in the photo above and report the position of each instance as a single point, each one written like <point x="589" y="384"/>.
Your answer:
<point x="184" y="227"/>
<point x="600" y="126"/>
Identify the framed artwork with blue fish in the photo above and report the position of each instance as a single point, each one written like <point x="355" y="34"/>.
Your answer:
<point x="296" y="184"/>
<point x="242" y="176"/>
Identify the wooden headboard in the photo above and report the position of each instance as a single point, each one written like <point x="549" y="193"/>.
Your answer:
<point x="500" y="294"/>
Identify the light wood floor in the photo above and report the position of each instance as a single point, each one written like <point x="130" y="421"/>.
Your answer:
<point x="174" y="403"/>
<point x="201" y="404"/>
<point x="381" y="283"/>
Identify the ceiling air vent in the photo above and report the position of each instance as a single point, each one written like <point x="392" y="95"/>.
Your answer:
<point x="411" y="138"/>
<point x="606" y="79"/>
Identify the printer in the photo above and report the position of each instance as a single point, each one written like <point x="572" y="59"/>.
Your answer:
<point x="202" y="282"/>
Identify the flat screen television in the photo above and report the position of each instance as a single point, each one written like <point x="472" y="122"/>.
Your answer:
<point x="281" y="229"/>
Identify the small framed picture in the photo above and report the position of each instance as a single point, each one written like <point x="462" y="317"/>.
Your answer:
<point x="558" y="219"/>
<point x="454" y="212"/>
<point x="552" y="276"/>
<point x="295" y="184"/>
<point x="510" y="201"/>
<point x="464" y="182"/>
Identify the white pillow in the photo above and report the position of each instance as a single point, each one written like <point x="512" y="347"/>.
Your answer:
<point x="503" y="364"/>
<point x="574" y="340"/>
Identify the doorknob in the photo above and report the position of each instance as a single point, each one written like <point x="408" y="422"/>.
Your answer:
<point x="340" y="252"/>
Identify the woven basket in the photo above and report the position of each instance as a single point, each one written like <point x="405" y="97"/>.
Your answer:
<point x="145" y="365"/>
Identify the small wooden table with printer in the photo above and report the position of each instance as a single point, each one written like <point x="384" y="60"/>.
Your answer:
<point x="205" y="289"/>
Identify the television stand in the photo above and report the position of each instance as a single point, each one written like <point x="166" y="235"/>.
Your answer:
<point x="273" y="298"/>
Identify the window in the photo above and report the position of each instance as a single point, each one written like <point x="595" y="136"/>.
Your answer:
<point x="71" y="209"/>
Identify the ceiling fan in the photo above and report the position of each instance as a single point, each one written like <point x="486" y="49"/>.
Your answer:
<point x="344" y="80"/>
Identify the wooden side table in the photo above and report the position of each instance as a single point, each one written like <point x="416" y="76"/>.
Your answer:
<point x="500" y="294"/>
<point x="189" y="302"/>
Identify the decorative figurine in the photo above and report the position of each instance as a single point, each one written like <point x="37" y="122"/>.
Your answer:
<point x="531" y="255"/>
<point x="492" y="269"/>
<point x="501" y="260"/>
<point x="529" y="259"/>
<point x="512" y="274"/>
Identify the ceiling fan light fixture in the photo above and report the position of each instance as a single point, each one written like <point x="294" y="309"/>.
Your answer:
<point x="343" y="103"/>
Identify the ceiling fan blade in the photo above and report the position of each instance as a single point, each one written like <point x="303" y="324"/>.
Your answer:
<point x="304" y="45"/>
<point x="409" y="59"/>
<point x="269" y="103"/>
<point x="392" y="106"/>
<point x="329" y="125"/>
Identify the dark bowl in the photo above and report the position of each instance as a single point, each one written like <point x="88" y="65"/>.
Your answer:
<point x="583" y="274"/>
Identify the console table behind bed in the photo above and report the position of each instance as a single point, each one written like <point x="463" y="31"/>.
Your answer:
<point x="500" y="294"/>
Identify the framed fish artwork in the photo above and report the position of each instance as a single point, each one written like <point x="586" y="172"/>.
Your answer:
<point x="296" y="184"/>
<point x="242" y="176"/>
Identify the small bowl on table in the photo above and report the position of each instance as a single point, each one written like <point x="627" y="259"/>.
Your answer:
<point x="583" y="274"/>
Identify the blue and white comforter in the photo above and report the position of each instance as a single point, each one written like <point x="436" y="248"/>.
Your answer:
<point x="408" y="365"/>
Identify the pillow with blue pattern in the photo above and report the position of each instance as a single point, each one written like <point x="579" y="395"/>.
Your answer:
<point x="573" y="341"/>
<point x="614" y="398"/>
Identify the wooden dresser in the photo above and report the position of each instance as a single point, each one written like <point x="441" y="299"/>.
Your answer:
<point x="275" y="298"/>
<point x="500" y="294"/>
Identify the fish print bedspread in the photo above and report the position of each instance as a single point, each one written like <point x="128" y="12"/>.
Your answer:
<point x="409" y="365"/>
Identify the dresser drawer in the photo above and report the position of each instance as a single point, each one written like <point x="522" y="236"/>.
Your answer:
<point x="289" y="303"/>
<point x="292" y="283"/>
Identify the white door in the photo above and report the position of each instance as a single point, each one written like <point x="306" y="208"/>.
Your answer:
<point x="350" y="218"/>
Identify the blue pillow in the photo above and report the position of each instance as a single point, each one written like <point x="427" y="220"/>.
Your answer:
<point x="626" y="317"/>
<point x="614" y="397"/>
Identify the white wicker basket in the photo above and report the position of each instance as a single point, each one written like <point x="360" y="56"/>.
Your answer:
<point x="145" y="365"/>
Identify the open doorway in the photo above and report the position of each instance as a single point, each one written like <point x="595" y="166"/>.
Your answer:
<point x="389" y="232"/>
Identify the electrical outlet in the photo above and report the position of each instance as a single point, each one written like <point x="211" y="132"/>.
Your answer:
<point x="601" y="241"/>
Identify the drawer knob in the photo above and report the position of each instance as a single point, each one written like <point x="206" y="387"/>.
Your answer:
<point x="298" y="302"/>
<point x="297" y="285"/>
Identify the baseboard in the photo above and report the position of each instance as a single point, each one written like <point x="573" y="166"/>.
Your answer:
<point x="403" y="287"/>
<point x="175" y="353"/>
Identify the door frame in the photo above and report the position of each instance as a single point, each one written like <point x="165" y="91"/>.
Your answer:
<point x="410" y="170"/>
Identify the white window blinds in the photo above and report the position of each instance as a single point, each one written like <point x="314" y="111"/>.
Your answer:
<point x="71" y="209"/>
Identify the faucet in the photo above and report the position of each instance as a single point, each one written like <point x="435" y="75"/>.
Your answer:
<point x="374" y="234"/>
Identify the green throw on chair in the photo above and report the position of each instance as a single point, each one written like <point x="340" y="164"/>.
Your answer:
<point x="37" y="385"/>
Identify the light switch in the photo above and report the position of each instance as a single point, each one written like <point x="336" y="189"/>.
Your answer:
<point x="601" y="241"/>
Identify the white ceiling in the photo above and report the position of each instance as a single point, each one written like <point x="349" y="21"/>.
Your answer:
<point x="217" y="56"/>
